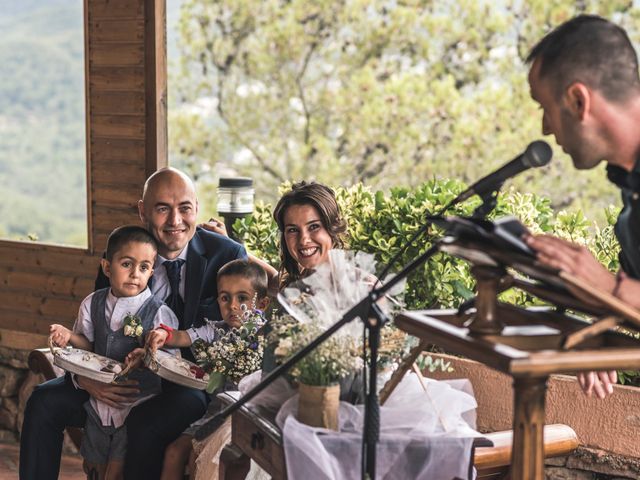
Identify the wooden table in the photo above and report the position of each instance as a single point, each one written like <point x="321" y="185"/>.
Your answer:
<point x="529" y="349"/>
<point x="256" y="437"/>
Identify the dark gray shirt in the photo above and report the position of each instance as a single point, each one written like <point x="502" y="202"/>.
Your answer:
<point x="627" y="227"/>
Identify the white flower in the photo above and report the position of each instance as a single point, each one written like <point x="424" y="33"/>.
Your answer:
<point x="132" y="326"/>
<point x="284" y="347"/>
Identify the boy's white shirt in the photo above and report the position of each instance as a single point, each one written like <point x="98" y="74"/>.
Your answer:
<point x="206" y="332"/>
<point x="116" y="308"/>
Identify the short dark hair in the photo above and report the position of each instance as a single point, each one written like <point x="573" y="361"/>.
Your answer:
<point x="251" y="271"/>
<point x="324" y="200"/>
<point x="591" y="50"/>
<point x="126" y="234"/>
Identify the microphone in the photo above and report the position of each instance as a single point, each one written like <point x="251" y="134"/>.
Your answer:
<point x="537" y="154"/>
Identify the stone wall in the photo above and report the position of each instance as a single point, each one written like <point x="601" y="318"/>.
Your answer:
<point x="16" y="384"/>
<point x="14" y="391"/>
<point x="591" y="464"/>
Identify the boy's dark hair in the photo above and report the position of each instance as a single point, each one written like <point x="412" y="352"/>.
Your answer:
<point x="125" y="234"/>
<point x="591" y="50"/>
<point x="251" y="271"/>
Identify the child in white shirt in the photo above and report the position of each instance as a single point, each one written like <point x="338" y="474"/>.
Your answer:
<point x="112" y="322"/>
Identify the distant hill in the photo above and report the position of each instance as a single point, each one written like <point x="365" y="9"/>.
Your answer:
<point x="42" y="119"/>
<point x="42" y="129"/>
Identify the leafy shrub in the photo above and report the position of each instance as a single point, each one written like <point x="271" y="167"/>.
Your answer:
<point x="381" y="223"/>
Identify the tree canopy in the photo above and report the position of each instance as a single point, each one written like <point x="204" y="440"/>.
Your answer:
<point x="373" y="91"/>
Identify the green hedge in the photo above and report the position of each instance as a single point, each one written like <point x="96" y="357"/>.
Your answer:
<point x="380" y="223"/>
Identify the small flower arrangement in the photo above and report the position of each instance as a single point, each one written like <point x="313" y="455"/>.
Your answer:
<point x="235" y="352"/>
<point x="133" y="326"/>
<point x="331" y="361"/>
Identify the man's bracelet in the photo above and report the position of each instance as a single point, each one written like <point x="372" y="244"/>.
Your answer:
<point x="167" y="329"/>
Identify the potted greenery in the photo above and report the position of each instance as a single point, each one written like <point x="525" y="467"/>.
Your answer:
<point x="319" y="373"/>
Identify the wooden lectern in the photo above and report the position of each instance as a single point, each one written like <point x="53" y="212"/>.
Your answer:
<point x="528" y="344"/>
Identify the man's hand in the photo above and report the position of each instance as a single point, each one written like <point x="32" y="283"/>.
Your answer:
<point x="599" y="382"/>
<point x="571" y="258"/>
<point x="59" y="335"/>
<point x="113" y="395"/>
<point x="578" y="261"/>
<point x="156" y="339"/>
<point x="575" y="260"/>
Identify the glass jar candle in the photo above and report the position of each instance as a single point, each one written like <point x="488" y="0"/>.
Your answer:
<point x="235" y="196"/>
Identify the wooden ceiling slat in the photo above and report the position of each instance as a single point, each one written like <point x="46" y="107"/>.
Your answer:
<point x="117" y="103"/>
<point x="120" y="30"/>
<point x="118" y="126"/>
<point x="47" y="259"/>
<point x="108" y="150"/>
<point x="114" y="196"/>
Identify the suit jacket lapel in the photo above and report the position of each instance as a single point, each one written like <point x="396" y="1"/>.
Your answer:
<point x="196" y="264"/>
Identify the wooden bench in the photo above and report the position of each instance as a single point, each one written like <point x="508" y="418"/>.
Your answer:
<point x="493" y="462"/>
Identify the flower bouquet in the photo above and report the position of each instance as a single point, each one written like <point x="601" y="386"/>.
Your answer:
<point x="235" y="352"/>
<point x="331" y="361"/>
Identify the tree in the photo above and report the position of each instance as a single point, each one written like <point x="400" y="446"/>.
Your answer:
<point x="384" y="93"/>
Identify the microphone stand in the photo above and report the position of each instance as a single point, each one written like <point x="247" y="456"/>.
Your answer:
<point x="374" y="319"/>
<point x="489" y="201"/>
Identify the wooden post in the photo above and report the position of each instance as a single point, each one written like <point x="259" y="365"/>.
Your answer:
<point x="155" y="56"/>
<point x="486" y="321"/>
<point x="527" y="458"/>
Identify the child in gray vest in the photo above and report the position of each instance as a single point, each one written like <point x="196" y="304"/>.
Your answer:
<point x="241" y="285"/>
<point x="112" y="322"/>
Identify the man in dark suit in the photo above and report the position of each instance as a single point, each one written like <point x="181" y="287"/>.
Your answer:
<point x="185" y="276"/>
